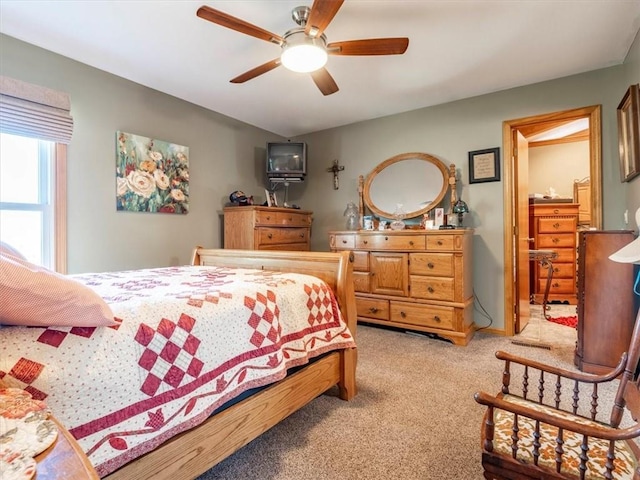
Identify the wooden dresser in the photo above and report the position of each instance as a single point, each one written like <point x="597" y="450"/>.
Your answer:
<point x="267" y="228"/>
<point x="606" y="313"/>
<point x="414" y="279"/>
<point x="552" y="226"/>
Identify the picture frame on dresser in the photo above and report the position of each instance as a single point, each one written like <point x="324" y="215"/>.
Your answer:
<point x="272" y="200"/>
<point x="484" y="165"/>
<point x="628" y="114"/>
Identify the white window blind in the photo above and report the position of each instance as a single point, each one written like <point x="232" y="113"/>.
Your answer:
<point x="34" y="111"/>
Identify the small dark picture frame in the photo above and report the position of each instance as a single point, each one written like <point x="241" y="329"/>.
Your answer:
<point x="484" y="165"/>
<point x="629" y="133"/>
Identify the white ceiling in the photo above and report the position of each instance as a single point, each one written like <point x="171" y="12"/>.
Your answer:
<point x="457" y="49"/>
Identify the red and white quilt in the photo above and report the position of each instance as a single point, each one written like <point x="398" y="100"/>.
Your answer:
<point x="189" y="339"/>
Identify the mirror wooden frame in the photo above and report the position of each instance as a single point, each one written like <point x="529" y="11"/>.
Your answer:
<point x="448" y="181"/>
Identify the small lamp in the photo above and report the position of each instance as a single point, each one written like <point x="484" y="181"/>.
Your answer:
<point x="460" y="207"/>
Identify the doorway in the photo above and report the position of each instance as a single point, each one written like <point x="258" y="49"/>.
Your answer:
<point x="516" y="226"/>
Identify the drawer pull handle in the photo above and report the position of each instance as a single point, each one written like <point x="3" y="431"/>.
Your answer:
<point x="556" y="270"/>
<point x="555" y="285"/>
<point x="386" y="238"/>
<point x="556" y="211"/>
<point x="344" y="241"/>
<point x="411" y="243"/>
<point x="403" y="315"/>
<point x="268" y="217"/>
<point x="373" y="310"/>
<point x="436" y="318"/>
<point x="555" y="240"/>
<point x="290" y="219"/>
<point x="439" y="242"/>
<point x="302" y="235"/>
<point x="430" y="289"/>
<point x="430" y="265"/>
<point x="270" y="236"/>
<point x="365" y="241"/>
<point x="556" y="225"/>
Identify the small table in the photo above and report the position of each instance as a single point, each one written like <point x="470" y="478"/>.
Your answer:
<point x="64" y="460"/>
<point x="545" y="257"/>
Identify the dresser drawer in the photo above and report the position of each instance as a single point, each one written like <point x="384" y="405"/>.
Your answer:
<point x="372" y="308"/>
<point x="390" y="242"/>
<point x="560" y="270"/>
<point x="434" y="264"/>
<point x="440" y="242"/>
<point x="558" y="240"/>
<point x="550" y="225"/>
<point x="346" y="242"/>
<point x="558" y="285"/>
<point x="361" y="261"/>
<point x="298" y="247"/>
<point x="423" y="315"/>
<point x="362" y="282"/>
<point x="267" y="236"/>
<point x="432" y="288"/>
<point x="282" y="219"/>
<point x="565" y="255"/>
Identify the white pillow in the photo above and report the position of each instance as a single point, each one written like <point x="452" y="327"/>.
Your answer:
<point x="35" y="296"/>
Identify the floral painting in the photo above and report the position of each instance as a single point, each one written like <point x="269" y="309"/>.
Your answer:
<point x="151" y="175"/>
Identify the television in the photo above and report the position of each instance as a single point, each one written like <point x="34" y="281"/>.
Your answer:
<point x="286" y="161"/>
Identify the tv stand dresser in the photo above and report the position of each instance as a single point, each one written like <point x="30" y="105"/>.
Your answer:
<point x="413" y="279"/>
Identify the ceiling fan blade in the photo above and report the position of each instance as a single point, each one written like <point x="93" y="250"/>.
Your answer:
<point x="322" y="12"/>
<point x="226" y="20"/>
<point x="324" y="81"/>
<point x="254" y="72"/>
<point x="371" y="46"/>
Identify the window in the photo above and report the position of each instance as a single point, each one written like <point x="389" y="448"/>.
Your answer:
<point x="27" y="220"/>
<point x="35" y="128"/>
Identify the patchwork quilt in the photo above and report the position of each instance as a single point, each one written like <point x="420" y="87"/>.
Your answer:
<point x="188" y="339"/>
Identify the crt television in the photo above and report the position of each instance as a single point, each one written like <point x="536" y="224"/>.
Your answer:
<point x="286" y="161"/>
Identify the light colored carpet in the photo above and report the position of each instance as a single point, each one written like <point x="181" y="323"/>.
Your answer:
<point x="414" y="416"/>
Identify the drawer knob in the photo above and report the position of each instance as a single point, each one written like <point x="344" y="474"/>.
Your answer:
<point x="555" y="240"/>
<point x="403" y="315"/>
<point x="344" y="241"/>
<point x="411" y="243"/>
<point x="556" y="211"/>
<point x="556" y="270"/>
<point x="439" y="242"/>
<point x="302" y="235"/>
<point x="373" y="310"/>
<point x="556" y="225"/>
<point x="436" y="318"/>
<point x="270" y="236"/>
<point x="268" y="217"/>
<point x="365" y="241"/>
<point x="386" y="238"/>
<point x="430" y="265"/>
<point x="555" y="285"/>
<point x="430" y="289"/>
<point x="291" y="219"/>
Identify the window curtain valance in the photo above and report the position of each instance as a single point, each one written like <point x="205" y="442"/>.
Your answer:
<point x="34" y="111"/>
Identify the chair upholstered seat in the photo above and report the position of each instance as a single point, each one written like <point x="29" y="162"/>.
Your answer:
<point x="624" y="461"/>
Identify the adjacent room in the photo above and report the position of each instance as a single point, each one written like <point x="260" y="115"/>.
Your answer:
<point x="336" y="239"/>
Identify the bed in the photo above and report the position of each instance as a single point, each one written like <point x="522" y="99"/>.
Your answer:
<point x="177" y="423"/>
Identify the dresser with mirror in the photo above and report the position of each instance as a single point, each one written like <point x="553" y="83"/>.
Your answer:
<point x="411" y="278"/>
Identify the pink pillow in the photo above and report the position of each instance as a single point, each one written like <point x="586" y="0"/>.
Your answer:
<point x="6" y="249"/>
<point x="37" y="297"/>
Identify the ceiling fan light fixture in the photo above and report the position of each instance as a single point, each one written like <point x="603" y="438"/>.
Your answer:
<point x="303" y="54"/>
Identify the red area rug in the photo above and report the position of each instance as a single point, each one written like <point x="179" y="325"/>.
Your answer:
<point x="571" y="321"/>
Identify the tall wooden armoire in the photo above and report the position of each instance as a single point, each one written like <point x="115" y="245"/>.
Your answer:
<point x="606" y="313"/>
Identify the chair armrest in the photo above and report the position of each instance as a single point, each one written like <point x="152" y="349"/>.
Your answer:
<point x="602" y="431"/>
<point x="569" y="374"/>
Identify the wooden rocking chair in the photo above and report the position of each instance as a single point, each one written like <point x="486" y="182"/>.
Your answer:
<point x="553" y="430"/>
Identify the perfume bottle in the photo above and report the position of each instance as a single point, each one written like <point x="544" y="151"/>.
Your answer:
<point x="398" y="215"/>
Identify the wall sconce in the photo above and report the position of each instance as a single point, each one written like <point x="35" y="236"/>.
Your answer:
<point x="460" y="207"/>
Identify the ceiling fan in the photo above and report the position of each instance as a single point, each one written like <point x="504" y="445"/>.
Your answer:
<point x="305" y="48"/>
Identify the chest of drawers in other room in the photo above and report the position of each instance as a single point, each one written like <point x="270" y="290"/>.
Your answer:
<point x="553" y="227"/>
<point x="414" y="279"/>
<point x="267" y="228"/>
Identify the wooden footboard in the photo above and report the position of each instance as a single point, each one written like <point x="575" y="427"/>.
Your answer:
<point x="197" y="450"/>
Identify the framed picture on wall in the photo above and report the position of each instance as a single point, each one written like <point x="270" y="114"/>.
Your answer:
<point x="629" y="133"/>
<point x="484" y="165"/>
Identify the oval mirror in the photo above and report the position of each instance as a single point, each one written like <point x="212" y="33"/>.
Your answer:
<point x="416" y="181"/>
